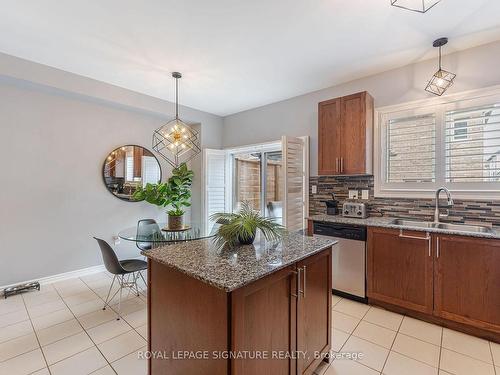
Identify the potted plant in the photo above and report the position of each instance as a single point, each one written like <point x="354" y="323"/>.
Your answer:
<point x="242" y="227"/>
<point x="175" y="193"/>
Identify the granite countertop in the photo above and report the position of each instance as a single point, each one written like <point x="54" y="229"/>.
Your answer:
<point x="230" y="269"/>
<point x="385" y="222"/>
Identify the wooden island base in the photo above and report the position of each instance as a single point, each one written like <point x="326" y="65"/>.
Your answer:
<point x="193" y="327"/>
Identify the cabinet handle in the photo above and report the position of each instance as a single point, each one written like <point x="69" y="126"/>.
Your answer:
<point x="297" y="283"/>
<point x="426" y="238"/>
<point x="304" y="291"/>
<point x="437" y="247"/>
<point x="341" y="165"/>
<point x="337" y="165"/>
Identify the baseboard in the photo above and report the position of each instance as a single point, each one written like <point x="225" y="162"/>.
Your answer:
<point x="61" y="276"/>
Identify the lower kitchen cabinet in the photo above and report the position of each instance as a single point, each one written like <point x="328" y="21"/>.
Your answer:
<point x="467" y="281"/>
<point x="446" y="278"/>
<point x="288" y="312"/>
<point x="258" y="309"/>
<point x="399" y="267"/>
<point x="314" y="310"/>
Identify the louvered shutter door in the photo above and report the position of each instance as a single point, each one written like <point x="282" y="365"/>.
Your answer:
<point x="294" y="181"/>
<point x="214" y="162"/>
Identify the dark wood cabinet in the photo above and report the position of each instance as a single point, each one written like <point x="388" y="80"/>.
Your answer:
<point x="467" y="281"/>
<point x="400" y="267"/>
<point x="284" y="312"/>
<point x="448" y="279"/>
<point x="345" y="135"/>
<point x="258" y="309"/>
<point x="329" y="135"/>
<point x="314" y="310"/>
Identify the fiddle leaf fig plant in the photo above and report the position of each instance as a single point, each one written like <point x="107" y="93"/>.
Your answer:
<point x="175" y="193"/>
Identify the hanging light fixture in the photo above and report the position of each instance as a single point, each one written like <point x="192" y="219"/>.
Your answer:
<point x="442" y="79"/>
<point x="420" y="6"/>
<point x="176" y="141"/>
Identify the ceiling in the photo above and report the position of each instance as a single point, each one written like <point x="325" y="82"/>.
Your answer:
<point x="236" y="54"/>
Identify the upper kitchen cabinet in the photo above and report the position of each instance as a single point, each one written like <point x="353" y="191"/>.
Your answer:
<point x="345" y="135"/>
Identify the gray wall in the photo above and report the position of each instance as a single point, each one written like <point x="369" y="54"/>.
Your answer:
<point x="55" y="131"/>
<point x="475" y="68"/>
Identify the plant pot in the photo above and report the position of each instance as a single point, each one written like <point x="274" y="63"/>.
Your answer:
<point x="247" y="241"/>
<point x="175" y="222"/>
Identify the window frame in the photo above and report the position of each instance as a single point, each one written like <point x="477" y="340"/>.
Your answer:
<point x="438" y="106"/>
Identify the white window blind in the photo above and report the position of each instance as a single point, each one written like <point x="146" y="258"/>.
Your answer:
<point x="411" y="149"/>
<point x="449" y="141"/>
<point x="472" y="154"/>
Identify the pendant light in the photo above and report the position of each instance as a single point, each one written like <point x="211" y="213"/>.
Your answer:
<point x="442" y="79"/>
<point x="176" y="141"/>
<point x="420" y="6"/>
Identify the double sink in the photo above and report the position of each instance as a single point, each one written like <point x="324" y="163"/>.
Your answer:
<point x="445" y="226"/>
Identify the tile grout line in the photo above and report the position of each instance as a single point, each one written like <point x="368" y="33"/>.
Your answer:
<point x="37" y="339"/>
<point x="492" y="358"/>
<point x="351" y="334"/>
<point x="84" y="330"/>
<point x="392" y="345"/>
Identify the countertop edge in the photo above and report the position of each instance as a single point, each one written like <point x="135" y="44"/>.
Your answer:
<point x="384" y="222"/>
<point x="242" y="284"/>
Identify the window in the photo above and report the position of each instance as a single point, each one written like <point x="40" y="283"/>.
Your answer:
<point x="455" y="143"/>
<point x="411" y="145"/>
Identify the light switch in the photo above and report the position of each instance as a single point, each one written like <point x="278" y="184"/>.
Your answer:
<point x="314" y="189"/>
<point x="365" y="194"/>
<point x="353" y="194"/>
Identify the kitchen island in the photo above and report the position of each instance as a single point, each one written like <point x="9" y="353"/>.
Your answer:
<point x="257" y="309"/>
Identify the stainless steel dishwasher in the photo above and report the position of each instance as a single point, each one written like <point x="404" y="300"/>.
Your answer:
<point x="349" y="258"/>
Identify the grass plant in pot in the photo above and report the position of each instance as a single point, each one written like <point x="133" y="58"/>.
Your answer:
<point x="175" y="194"/>
<point x="241" y="228"/>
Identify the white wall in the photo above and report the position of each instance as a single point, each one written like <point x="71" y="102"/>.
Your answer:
<point x="475" y="68"/>
<point x="56" y="129"/>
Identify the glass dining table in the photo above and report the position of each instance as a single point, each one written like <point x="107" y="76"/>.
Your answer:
<point x="148" y="236"/>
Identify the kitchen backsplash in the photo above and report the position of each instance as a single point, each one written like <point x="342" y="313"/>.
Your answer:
<point x="486" y="212"/>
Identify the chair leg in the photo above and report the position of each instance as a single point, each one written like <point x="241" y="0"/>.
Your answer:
<point x="136" y="276"/>
<point x="109" y="292"/>
<point x="144" y="281"/>
<point x="120" y="300"/>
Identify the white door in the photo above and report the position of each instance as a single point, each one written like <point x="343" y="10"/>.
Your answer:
<point x="214" y="175"/>
<point x="296" y="166"/>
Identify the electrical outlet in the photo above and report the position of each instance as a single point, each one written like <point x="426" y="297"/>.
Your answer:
<point x="353" y="194"/>
<point x="314" y="189"/>
<point x="116" y="240"/>
<point x="365" y="194"/>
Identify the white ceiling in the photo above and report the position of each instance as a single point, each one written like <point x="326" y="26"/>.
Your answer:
<point x="236" y="54"/>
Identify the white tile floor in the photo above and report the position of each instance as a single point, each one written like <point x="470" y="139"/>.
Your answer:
<point x="63" y="330"/>
<point x="394" y="344"/>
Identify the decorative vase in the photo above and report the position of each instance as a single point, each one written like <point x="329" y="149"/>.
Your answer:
<point x="247" y="241"/>
<point x="175" y="222"/>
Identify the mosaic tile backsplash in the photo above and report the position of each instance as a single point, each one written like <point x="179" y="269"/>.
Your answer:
<point x="485" y="212"/>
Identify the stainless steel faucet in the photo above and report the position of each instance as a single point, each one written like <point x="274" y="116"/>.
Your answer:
<point x="437" y="216"/>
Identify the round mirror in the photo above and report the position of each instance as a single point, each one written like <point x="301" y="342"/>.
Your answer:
<point x="129" y="167"/>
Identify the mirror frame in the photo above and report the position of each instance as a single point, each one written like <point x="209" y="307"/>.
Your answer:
<point x="104" y="167"/>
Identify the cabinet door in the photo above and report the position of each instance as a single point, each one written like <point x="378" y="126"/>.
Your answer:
<point x="400" y="268"/>
<point x="264" y="320"/>
<point x="467" y="281"/>
<point x="314" y="310"/>
<point x="353" y="134"/>
<point x="329" y="129"/>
